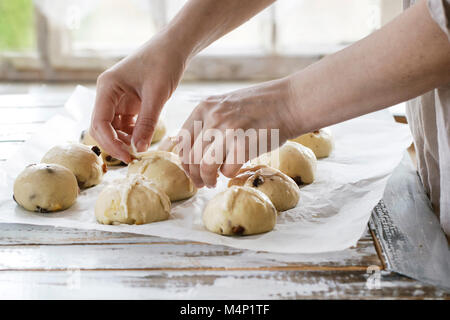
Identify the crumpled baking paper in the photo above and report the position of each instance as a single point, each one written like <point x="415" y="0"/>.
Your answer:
<point x="332" y="213"/>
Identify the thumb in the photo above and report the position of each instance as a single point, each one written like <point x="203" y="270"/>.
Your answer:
<point x="146" y="123"/>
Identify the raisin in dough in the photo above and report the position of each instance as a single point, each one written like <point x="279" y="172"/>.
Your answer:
<point x="294" y="160"/>
<point x="45" y="188"/>
<point x="320" y="142"/>
<point x="132" y="200"/>
<point x="85" y="162"/>
<point x="239" y="211"/>
<point x="281" y="189"/>
<point x="86" y="138"/>
<point x="164" y="169"/>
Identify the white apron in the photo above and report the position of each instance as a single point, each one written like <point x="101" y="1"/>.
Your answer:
<point x="429" y="119"/>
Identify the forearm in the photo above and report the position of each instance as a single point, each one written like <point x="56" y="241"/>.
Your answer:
<point x="201" y="22"/>
<point x="404" y="59"/>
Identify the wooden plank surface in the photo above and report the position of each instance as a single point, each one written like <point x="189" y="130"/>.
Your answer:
<point x="24" y="234"/>
<point x="73" y="284"/>
<point x="27" y="247"/>
<point x="178" y="255"/>
<point x="48" y="262"/>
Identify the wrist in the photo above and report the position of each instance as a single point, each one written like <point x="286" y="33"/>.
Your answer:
<point x="181" y="42"/>
<point x="309" y="105"/>
<point x="169" y="46"/>
<point x="296" y="114"/>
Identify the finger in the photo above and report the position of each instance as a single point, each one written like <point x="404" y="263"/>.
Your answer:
<point x="129" y="104"/>
<point x="183" y="149"/>
<point x="128" y="109"/>
<point x="187" y="136"/>
<point x="211" y="162"/>
<point x="195" y="157"/>
<point x="114" y="147"/>
<point x="125" y="137"/>
<point x="237" y="155"/>
<point x="185" y="145"/>
<point x="168" y="144"/>
<point x="147" y="119"/>
<point x="116" y="122"/>
<point x="127" y="123"/>
<point x="101" y="128"/>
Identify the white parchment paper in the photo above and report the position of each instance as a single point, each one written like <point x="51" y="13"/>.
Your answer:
<point x="332" y="213"/>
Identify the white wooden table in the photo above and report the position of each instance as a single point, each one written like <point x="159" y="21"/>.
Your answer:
<point x="40" y="262"/>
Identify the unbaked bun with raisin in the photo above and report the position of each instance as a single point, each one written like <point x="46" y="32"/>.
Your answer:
<point x="45" y="188"/>
<point x="84" y="161"/>
<point x="165" y="170"/>
<point x="319" y="141"/>
<point x="240" y="211"/>
<point x="281" y="189"/>
<point x="293" y="159"/>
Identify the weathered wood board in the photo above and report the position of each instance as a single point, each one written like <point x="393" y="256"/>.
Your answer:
<point x="43" y="262"/>
<point x="202" y="284"/>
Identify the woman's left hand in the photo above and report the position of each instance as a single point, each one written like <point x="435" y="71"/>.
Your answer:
<point x="206" y="143"/>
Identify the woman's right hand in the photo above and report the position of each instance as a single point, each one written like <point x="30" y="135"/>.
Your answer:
<point x="131" y="94"/>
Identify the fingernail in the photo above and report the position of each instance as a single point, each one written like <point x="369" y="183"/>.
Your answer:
<point x="142" y="146"/>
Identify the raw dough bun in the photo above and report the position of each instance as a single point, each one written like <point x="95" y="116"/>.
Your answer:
<point x="320" y="142"/>
<point x="86" y="138"/>
<point x="281" y="189"/>
<point x="85" y="162"/>
<point x="240" y="211"/>
<point x="132" y="200"/>
<point x="294" y="160"/>
<point x="160" y="131"/>
<point x="164" y="169"/>
<point x="45" y="188"/>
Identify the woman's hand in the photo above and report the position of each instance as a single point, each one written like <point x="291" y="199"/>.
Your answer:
<point x="266" y="106"/>
<point x="138" y="86"/>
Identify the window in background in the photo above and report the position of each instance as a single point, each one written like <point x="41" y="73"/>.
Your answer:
<point x="115" y="27"/>
<point x="323" y="26"/>
<point x="17" y="33"/>
<point x="83" y="37"/>
<point x="299" y="26"/>
<point x="252" y="37"/>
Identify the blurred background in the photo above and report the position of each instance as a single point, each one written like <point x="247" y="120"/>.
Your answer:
<point x="75" y="40"/>
<point x="47" y="47"/>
